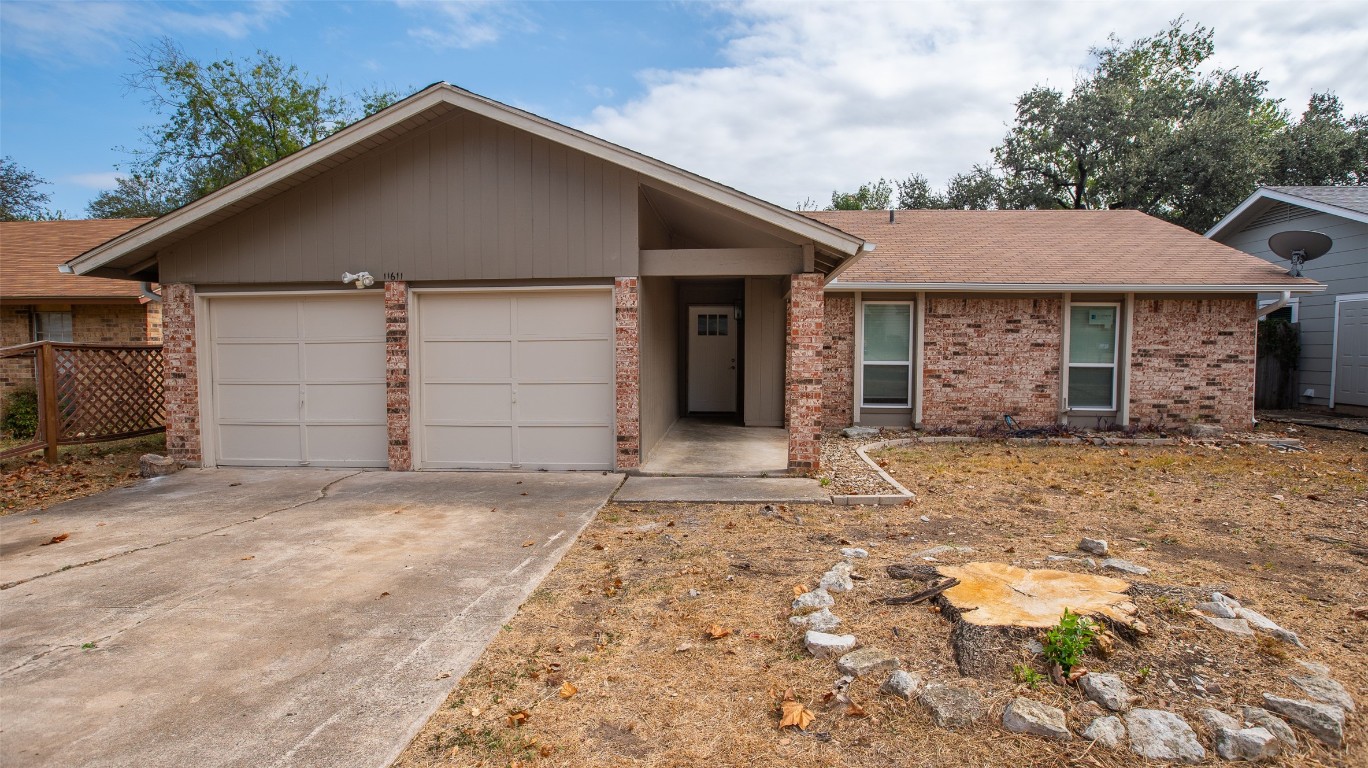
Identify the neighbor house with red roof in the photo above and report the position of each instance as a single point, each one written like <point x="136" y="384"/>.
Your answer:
<point x="39" y="303"/>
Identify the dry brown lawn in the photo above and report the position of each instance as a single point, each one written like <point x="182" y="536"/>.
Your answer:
<point x="652" y="687"/>
<point x="28" y="484"/>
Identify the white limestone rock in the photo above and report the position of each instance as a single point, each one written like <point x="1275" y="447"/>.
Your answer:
<point x="1159" y="735"/>
<point x="823" y="645"/>
<point x="1024" y="715"/>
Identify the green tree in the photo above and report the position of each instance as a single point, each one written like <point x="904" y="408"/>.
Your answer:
<point x="978" y="190"/>
<point x="1324" y="147"/>
<point x="137" y="196"/>
<point x="915" y="192"/>
<point x="21" y="196"/>
<point x="876" y="195"/>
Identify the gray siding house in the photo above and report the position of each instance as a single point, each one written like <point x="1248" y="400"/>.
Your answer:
<point x="1334" y="324"/>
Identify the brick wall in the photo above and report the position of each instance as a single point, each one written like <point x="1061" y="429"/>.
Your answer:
<point x="627" y="363"/>
<point x="397" y="376"/>
<point x="90" y="323"/>
<point x="15" y="329"/>
<point x="182" y="376"/>
<point x="803" y="379"/>
<point x="986" y="357"/>
<point x="109" y="324"/>
<point x="1193" y="360"/>
<point x="838" y="359"/>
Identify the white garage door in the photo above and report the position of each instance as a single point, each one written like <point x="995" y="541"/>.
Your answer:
<point x="299" y="381"/>
<point x="516" y="380"/>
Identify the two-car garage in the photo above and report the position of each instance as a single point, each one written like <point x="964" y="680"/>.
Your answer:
<point x="519" y="379"/>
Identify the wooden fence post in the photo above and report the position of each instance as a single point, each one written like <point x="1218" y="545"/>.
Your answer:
<point x="49" y="416"/>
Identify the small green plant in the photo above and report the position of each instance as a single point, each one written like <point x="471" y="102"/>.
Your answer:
<point x="1026" y="675"/>
<point x="1066" y="642"/>
<point x="20" y="418"/>
<point x="825" y="481"/>
<point x="87" y="646"/>
<point x="1142" y="674"/>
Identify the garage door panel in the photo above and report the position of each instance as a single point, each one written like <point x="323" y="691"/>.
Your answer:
<point x="344" y="361"/>
<point x="579" y="360"/>
<point x="347" y="445"/>
<point x="468" y="403"/>
<point x="258" y="402"/>
<point x="561" y="315"/>
<point x="255" y="319"/>
<point x="565" y="403"/>
<point x="260" y="444"/>
<point x="467" y="360"/>
<point x="362" y="403"/>
<point x="469" y="447"/>
<point x="257" y="362"/>
<point x="472" y="317"/>
<point x="343" y="318"/>
<point x="565" y="447"/>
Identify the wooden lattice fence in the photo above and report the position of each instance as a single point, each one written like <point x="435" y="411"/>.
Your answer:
<point x="92" y="393"/>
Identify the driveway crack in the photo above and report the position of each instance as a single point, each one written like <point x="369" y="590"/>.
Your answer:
<point x="322" y="494"/>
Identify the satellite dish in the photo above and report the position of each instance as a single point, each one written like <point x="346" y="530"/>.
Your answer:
<point x="1299" y="247"/>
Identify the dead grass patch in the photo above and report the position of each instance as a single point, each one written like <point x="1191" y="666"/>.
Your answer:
<point x="28" y="484"/>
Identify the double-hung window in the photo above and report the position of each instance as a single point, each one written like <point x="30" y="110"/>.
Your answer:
<point x="52" y="326"/>
<point x="1093" y="337"/>
<point x="886" y="355"/>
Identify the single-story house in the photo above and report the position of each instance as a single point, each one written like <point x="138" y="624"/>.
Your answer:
<point x="544" y="299"/>
<point x="1333" y="368"/>
<point x="38" y="303"/>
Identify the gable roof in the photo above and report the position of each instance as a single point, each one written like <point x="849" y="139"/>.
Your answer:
<point x="31" y="251"/>
<point x="426" y="105"/>
<point x="1058" y="250"/>
<point x="1349" y="202"/>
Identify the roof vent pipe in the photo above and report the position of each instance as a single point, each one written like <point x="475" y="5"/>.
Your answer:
<point x="892" y="216"/>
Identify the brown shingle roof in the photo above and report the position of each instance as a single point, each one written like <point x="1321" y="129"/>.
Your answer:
<point x="31" y="250"/>
<point x="1070" y="247"/>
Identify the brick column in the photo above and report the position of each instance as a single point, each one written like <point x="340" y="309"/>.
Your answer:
<point x="181" y="393"/>
<point x="803" y="377"/>
<point x="627" y="363"/>
<point x="397" y="376"/>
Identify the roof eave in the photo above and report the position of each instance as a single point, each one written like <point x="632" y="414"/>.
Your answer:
<point x="1243" y="211"/>
<point x="1079" y="287"/>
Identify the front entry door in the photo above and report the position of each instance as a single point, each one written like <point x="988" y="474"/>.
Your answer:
<point x="712" y="359"/>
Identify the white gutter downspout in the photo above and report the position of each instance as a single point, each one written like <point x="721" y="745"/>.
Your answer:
<point x="1275" y="306"/>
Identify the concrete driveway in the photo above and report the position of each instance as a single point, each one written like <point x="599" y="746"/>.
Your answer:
<point x="264" y="617"/>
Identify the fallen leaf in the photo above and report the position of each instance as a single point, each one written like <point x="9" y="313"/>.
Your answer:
<point x="518" y="718"/>
<point x="1106" y="644"/>
<point x="58" y="539"/>
<point x="1077" y="672"/>
<point x="717" y="632"/>
<point x="567" y="690"/>
<point x="799" y="590"/>
<point x="444" y="676"/>
<point x="855" y="710"/>
<point x="546" y="750"/>
<point x="598" y="547"/>
<point x="384" y="594"/>
<point x="794" y="713"/>
<point x="528" y="543"/>
<point x="249" y="557"/>
<point x="475" y="711"/>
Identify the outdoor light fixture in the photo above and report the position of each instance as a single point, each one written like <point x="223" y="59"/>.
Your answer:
<point x="360" y="279"/>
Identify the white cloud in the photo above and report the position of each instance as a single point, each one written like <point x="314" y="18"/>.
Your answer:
<point x="99" y="180"/>
<point x="91" y="31"/>
<point x="816" y="97"/>
<point x="464" y="23"/>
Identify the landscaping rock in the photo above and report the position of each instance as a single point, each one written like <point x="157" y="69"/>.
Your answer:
<point x="951" y="706"/>
<point x="867" y="662"/>
<point x="1233" y="626"/>
<point x="1093" y="546"/>
<point x="822" y="621"/>
<point x="1254" y="744"/>
<point x="942" y="549"/>
<point x="1226" y="600"/>
<point x="854" y="553"/>
<point x="1107" y="690"/>
<point x="860" y="432"/>
<point x="815" y="600"/>
<point x="837" y="580"/>
<point x="823" y="645"/>
<point x="1107" y="731"/>
<point x="1023" y="715"/>
<point x="901" y="684"/>
<point x="1205" y="431"/>
<point x="1125" y="566"/>
<point x="1324" y="721"/>
<point x="1219" y="610"/>
<point x="1215" y="720"/>
<point x="1271" y="723"/>
<point x="1264" y="624"/>
<point x="1322" y="688"/>
<point x="153" y="465"/>
<point x="1159" y="735"/>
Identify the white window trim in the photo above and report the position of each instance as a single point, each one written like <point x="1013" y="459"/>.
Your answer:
<point x="1115" y="364"/>
<point x="910" y="362"/>
<point x="1334" y="338"/>
<point x="1294" y="303"/>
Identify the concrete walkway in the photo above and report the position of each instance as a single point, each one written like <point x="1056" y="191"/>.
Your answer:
<point x="727" y="490"/>
<point x="702" y="447"/>
<point x="264" y="617"/>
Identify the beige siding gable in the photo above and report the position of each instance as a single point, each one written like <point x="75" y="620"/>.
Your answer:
<point x="464" y="198"/>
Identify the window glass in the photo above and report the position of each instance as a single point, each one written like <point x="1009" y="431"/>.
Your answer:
<point x="885" y="385"/>
<point x="1092" y="335"/>
<point x="887" y="332"/>
<point x="1090" y="387"/>
<point x="52" y="326"/>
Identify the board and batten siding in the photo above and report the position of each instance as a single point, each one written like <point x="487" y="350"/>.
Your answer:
<point x="1343" y="270"/>
<point x="462" y="198"/>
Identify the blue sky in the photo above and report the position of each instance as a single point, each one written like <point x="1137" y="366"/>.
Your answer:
<point x="784" y="100"/>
